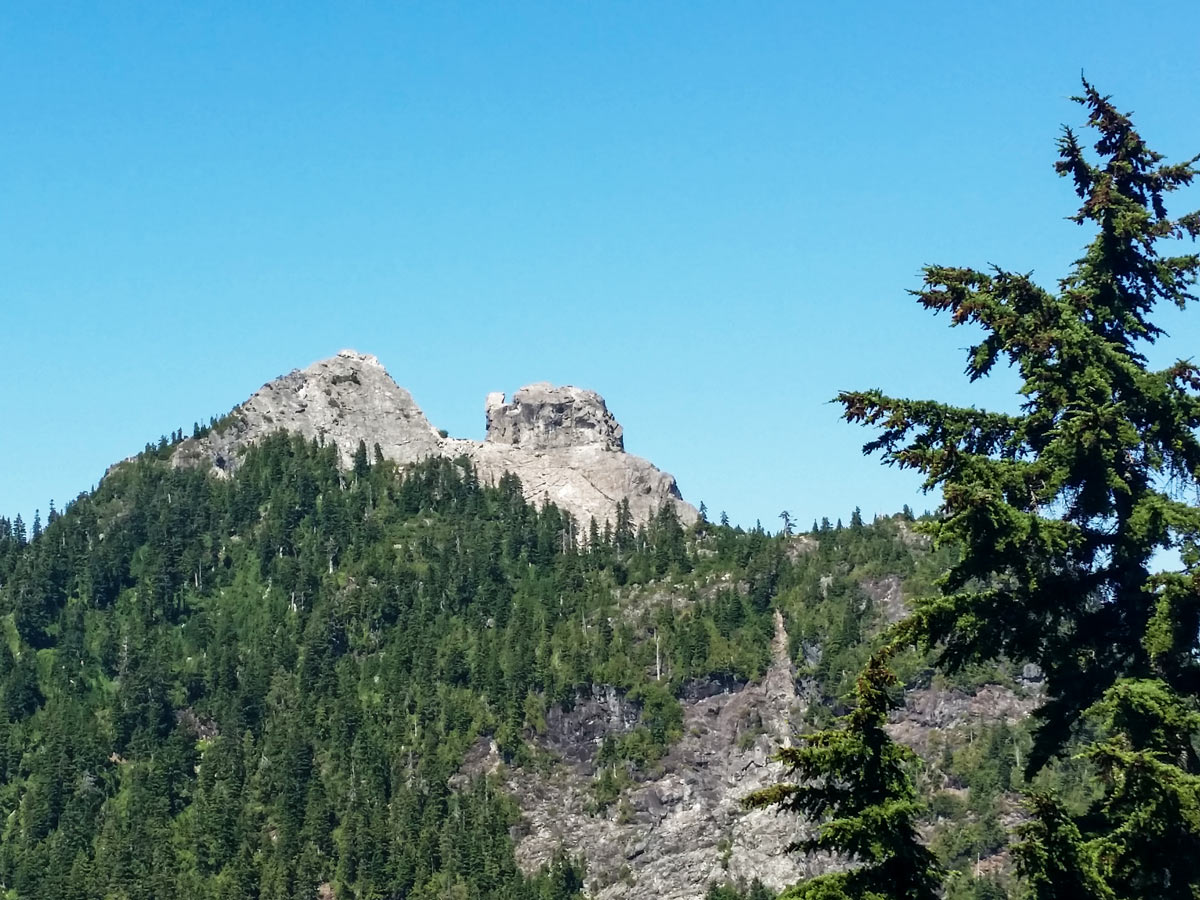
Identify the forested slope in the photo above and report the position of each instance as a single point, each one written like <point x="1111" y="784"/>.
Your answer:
<point x="265" y="686"/>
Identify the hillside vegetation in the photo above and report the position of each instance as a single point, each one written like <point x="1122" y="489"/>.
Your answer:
<point x="262" y="685"/>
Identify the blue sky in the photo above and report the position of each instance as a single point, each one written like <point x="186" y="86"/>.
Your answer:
<point x="708" y="212"/>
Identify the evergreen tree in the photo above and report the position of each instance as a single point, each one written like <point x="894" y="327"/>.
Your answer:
<point x="362" y="465"/>
<point x="1141" y="840"/>
<point x="1053" y="857"/>
<point x="1058" y="510"/>
<point x="854" y="782"/>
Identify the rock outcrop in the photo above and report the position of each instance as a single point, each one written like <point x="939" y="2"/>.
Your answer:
<point x="562" y="442"/>
<point x="681" y="826"/>
<point x="343" y="399"/>
<point x="543" y="417"/>
<point x="669" y="836"/>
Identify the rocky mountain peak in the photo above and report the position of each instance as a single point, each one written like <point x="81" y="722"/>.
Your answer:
<point x="562" y="442"/>
<point x="343" y="399"/>
<point x="353" y="357"/>
<point x="544" y="417"/>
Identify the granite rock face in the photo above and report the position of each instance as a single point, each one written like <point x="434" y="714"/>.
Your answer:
<point x="339" y="400"/>
<point x="544" y="417"/>
<point x="562" y="442"/>
<point x="587" y="480"/>
<point x="680" y="827"/>
<point x="672" y="834"/>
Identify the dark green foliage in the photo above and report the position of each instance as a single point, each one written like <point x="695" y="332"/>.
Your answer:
<point x="1060" y="508"/>
<point x="1142" y="839"/>
<point x="1054" y="858"/>
<point x="755" y="891"/>
<point x="854" y="782"/>
<point x="361" y="466"/>
<point x="255" y="685"/>
<point x="248" y="687"/>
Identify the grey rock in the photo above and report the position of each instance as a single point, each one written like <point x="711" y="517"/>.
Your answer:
<point x="799" y="545"/>
<point x="1031" y="673"/>
<point x="544" y="417"/>
<point x="888" y="596"/>
<point x="587" y="480"/>
<point x="562" y="442"/>
<point x="684" y="826"/>
<point x="930" y="713"/>
<point x="343" y="399"/>
<point x="565" y="446"/>
<point x="575" y="733"/>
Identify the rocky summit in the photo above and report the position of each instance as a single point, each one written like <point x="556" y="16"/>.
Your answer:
<point x="544" y="417"/>
<point x="562" y="442"/>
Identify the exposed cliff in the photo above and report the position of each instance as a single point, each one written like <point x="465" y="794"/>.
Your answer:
<point x="671" y="835"/>
<point x="544" y="417"/>
<point x="680" y="827"/>
<point x="683" y="827"/>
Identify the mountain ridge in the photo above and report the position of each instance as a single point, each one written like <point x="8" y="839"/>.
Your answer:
<point x="561" y="442"/>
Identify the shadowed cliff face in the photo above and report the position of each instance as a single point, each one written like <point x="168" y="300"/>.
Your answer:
<point x="562" y="442"/>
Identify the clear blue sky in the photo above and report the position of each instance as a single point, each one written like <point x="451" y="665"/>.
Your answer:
<point x="708" y="212"/>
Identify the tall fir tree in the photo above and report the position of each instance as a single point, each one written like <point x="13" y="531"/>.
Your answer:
<point x="1060" y="508"/>
<point x="853" y="781"/>
<point x="361" y="465"/>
